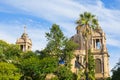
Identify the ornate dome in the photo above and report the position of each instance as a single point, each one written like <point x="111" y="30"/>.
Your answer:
<point x="24" y="41"/>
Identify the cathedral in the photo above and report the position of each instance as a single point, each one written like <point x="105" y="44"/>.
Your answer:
<point x="24" y="42"/>
<point x="97" y="45"/>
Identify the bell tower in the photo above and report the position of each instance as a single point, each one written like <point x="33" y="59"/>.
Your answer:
<point x="24" y="41"/>
<point x="97" y="45"/>
<point x="100" y="53"/>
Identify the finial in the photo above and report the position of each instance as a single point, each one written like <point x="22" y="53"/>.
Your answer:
<point x="25" y="29"/>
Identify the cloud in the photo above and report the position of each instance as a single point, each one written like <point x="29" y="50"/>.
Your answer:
<point x="113" y="42"/>
<point x="65" y="12"/>
<point x="38" y="38"/>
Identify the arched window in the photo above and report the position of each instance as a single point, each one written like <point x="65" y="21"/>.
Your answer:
<point x="98" y="45"/>
<point x="21" y="47"/>
<point x="98" y="68"/>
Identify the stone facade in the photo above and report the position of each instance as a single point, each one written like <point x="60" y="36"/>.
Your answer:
<point x="97" y="44"/>
<point x="24" y="42"/>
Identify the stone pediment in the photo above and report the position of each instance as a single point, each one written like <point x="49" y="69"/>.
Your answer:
<point x="96" y="34"/>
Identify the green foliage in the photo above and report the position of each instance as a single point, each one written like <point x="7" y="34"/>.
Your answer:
<point x="9" y="72"/>
<point x="81" y="74"/>
<point x="3" y="48"/>
<point x="55" y="40"/>
<point x="35" y="68"/>
<point x="64" y="73"/>
<point x="109" y="78"/>
<point x="91" y="65"/>
<point x="116" y="72"/>
<point x="48" y="65"/>
<point x="68" y="50"/>
<point x="30" y="67"/>
<point x="8" y="51"/>
<point x="3" y="44"/>
<point x="87" y="19"/>
<point x="12" y="51"/>
<point x="43" y="53"/>
<point x="55" y="78"/>
<point x="58" y="45"/>
<point x="28" y="54"/>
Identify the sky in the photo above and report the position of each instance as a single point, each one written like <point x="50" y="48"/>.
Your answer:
<point x="39" y="15"/>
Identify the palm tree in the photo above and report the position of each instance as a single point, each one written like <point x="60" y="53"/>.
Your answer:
<point x="89" y="22"/>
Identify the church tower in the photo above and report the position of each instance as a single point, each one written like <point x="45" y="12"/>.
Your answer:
<point x="24" y="42"/>
<point x="97" y="44"/>
<point x="100" y="53"/>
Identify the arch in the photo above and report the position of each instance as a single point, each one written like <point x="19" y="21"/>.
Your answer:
<point x="98" y="68"/>
<point x="21" y="47"/>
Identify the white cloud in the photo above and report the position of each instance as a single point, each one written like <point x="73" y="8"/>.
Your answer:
<point x="63" y="12"/>
<point x="8" y="34"/>
<point x="113" y="42"/>
<point x="38" y="38"/>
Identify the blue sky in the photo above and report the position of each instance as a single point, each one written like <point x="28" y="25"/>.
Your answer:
<point x="39" y="15"/>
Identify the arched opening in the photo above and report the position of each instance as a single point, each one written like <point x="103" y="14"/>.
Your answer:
<point x="77" y="64"/>
<point x="21" y="47"/>
<point x="98" y="68"/>
<point x="28" y="47"/>
<point x="97" y="44"/>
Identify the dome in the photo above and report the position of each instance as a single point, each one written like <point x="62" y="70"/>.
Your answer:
<point x="25" y="42"/>
<point x="20" y="40"/>
<point x="78" y="39"/>
<point x="24" y="35"/>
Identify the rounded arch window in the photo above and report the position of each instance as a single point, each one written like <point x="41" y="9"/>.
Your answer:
<point x="98" y="68"/>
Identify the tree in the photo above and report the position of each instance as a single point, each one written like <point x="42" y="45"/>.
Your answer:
<point x="68" y="50"/>
<point x="43" y="53"/>
<point x="59" y="46"/>
<point x="3" y="48"/>
<point x="91" y="66"/>
<point x="9" y="52"/>
<point x="9" y="72"/>
<point x="55" y="41"/>
<point x="28" y="54"/>
<point x="12" y="52"/>
<point x="64" y="73"/>
<point x="29" y="68"/>
<point x="116" y="72"/>
<point x="34" y="68"/>
<point x="88" y="21"/>
<point x="48" y="65"/>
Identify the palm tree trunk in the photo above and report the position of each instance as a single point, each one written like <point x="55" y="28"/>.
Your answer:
<point x="86" y="71"/>
<point x="86" y="51"/>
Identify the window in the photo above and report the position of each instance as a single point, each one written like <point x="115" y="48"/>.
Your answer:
<point x="21" y="47"/>
<point x="77" y="64"/>
<point x="28" y="47"/>
<point x="97" y="43"/>
<point x="98" y="68"/>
